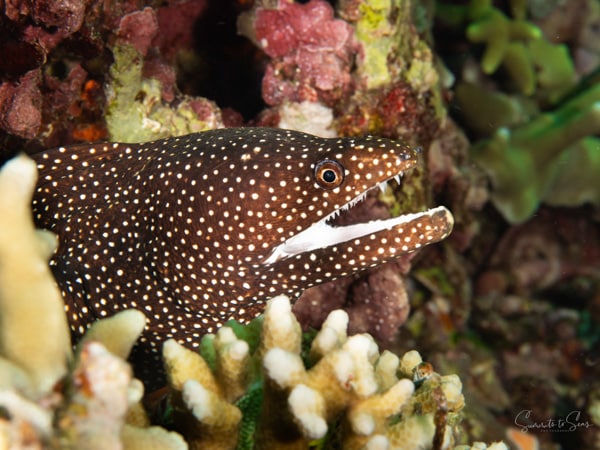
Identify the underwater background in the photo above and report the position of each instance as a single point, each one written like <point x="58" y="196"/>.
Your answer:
<point x="497" y="327"/>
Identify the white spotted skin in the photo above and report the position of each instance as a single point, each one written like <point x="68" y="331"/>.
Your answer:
<point x="180" y="228"/>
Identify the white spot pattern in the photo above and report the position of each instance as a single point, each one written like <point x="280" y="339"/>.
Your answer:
<point x="181" y="228"/>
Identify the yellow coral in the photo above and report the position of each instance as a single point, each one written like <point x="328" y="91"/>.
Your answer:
<point x="182" y="365"/>
<point x="117" y="333"/>
<point x="350" y="383"/>
<point x="29" y="301"/>
<point x="46" y="405"/>
<point x="232" y="362"/>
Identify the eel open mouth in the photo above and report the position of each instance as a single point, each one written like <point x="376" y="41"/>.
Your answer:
<point x="323" y="234"/>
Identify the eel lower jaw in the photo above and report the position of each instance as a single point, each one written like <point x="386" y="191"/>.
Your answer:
<point x="321" y="234"/>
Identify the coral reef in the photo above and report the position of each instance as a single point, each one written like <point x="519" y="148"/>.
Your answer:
<point x="501" y="95"/>
<point x="139" y="91"/>
<point x="386" y="84"/>
<point x="532" y="126"/>
<point x="63" y="49"/>
<point x="346" y="383"/>
<point x="135" y="110"/>
<point x="534" y="64"/>
<point x="256" y="390"/>
<point x="397" y="92"/>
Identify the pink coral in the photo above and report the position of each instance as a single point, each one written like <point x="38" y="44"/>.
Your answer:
<point x="311" y="50"/>
<point x="176" y="25"/>
<point x="138" y="29"/>
<point x="21" y="104"/>
<point x="66" y="14"/>
<point x="50" y="21"/>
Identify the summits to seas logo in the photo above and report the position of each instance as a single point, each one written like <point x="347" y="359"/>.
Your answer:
<point x="569" y="423"/>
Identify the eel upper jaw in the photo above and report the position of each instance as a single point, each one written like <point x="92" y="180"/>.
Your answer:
<point x="321" y="234"/>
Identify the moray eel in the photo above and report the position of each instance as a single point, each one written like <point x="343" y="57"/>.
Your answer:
<point x="199" y="229"/>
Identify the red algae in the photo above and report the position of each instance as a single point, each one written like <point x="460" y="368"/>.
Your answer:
<point x="311" y="52"/>
<point x="20" y="105"/>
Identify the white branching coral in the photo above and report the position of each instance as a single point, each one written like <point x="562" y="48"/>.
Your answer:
<point x="29" y="301"/>
<point x="49" y="397"/>
<point x="347" y="394"/>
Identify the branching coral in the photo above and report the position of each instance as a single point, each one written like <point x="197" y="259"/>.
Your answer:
<point x="525" y="164"/>
<point x="535" y="65"/>
<point x="27" y="291"/>
<point x="504" y="40"/>
<point x="49" y="397"/>
<point x="347" y="395"/>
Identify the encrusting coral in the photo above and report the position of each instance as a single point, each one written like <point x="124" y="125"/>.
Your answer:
<point x="137" y="104"/>
<point x="311" y="50"/>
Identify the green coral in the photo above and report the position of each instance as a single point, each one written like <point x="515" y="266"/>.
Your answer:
<point x="136" y="112"/>
<point x="504" y="40"/>
<point x="555" y="71"/>
<point x="530" y="156"/>
<point x="391" y="48"/>
<point x="544" y="160"/>
<point x="484" y="111"/>
<point x="534" y="65"/>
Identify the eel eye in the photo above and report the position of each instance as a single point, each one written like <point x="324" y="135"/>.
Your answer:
<point x="329" y="174"/>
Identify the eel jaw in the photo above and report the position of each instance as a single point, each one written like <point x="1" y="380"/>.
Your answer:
<point x="321" y="234"/>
